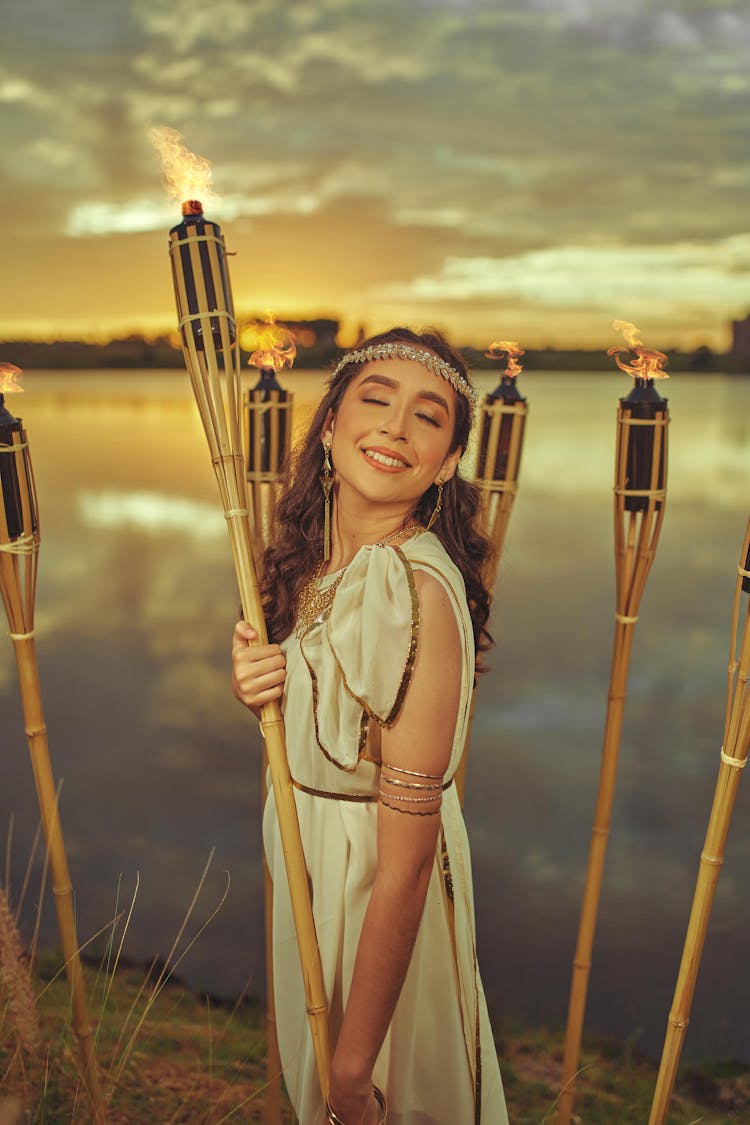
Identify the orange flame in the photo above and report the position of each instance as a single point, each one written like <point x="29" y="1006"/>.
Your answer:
<point x="9" y="379"/>
<point x="512" y="349"/>
<point x="647" y="362"/>
<point x="187" y="176"/>
<point x="272" y="345"/>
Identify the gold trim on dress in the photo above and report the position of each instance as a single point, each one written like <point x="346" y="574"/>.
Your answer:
<point x="410" y="656"/>
<point x="358" y="798"/>
<point x="368" y="714"/>
<point x="321" y="747"/>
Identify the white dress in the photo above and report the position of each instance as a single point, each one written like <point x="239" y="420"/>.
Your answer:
<point x="438" y="1064"/>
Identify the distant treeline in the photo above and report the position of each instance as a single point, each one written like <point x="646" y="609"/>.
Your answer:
<point x="162" y="352"/>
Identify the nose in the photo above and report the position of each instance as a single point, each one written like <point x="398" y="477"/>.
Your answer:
<point x="394" y="425"/>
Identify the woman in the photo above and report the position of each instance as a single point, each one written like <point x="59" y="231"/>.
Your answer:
<point x="373" y="594"/>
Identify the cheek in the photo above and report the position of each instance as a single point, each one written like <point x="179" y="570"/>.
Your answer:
<point x="434" y="450"/>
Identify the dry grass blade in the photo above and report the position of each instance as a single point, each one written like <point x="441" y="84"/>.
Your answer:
<point x="16" y="980"/>
<point x="167" y="971"/>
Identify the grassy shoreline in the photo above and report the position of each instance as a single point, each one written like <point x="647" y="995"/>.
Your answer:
<point x="199" y="1061"/>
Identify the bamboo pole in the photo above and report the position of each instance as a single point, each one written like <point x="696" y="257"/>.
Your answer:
<point x="503" y="425"/>
<point x="733" y="761"/>
<point x="19" y="550"/>
<point x="641" y="458"/>
<point x="268" y="414"/>
<point x="208" y="331"/>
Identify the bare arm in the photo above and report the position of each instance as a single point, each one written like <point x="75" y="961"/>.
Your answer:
<point x="419" y="742"/>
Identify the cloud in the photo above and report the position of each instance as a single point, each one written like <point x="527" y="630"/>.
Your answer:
<point x="637" y="278"/>
<point x="151" y="512"/>
<point x="459" y="135"/>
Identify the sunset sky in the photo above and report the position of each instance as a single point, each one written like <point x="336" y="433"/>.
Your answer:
<point x="531" y="169"/>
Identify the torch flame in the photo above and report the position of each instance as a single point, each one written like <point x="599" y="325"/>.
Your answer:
<point x="187" y="176"/>
<point x="512" y="349"/>
<point x="647" y="362"/>
<point x="9" y="379"/>
<point x="272" y="345"/>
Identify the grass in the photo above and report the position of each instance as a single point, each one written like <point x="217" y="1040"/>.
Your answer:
<point x="194" y="1060"/>
<point x="199" y="1061"/>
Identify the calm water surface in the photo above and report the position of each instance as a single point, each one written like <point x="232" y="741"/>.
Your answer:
<point x="135" y="609"/>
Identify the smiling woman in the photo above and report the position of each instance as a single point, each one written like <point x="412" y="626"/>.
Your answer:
<point x="377" y="633"/>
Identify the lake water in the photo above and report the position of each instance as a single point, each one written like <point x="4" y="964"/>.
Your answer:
<point x="135" y="608"/>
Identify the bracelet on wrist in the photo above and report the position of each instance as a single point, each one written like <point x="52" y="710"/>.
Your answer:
<point x="333" y="1118"/>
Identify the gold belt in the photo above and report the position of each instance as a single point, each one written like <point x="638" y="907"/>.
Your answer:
<point x="358" y="798"/>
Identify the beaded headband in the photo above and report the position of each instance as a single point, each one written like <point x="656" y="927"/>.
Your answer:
<point x="405" y="351"/>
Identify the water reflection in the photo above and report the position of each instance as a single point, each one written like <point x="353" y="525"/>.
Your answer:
<point x="134" y="613"/>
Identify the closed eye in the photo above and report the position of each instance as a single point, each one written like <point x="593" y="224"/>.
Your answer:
<point x="375" y="401"/>
<point x="429" y="418"/>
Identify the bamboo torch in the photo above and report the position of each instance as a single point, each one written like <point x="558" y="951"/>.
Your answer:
<point x="639" y="500"/>
<point x="209" y="343"/>
<point x="268" y="425"/>
<point x="504" y="413"/>
<point x="19" y="552"/>
<point x="733" y="761"/>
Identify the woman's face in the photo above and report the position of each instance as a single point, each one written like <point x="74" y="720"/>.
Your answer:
<point x="391" y="436"/>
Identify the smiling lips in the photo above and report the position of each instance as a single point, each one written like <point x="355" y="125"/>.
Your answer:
<point x="391" y="462"/>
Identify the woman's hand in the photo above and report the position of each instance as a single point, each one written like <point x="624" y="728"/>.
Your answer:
<point x="258" y="671"/>
<point x="356" y="1106"/>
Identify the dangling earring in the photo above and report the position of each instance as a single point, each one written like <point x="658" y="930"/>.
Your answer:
<point x="326" y="480"/>
<point x="438" y="505"/>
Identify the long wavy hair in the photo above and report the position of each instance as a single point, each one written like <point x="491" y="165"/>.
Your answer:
<point x="296" y="545"/>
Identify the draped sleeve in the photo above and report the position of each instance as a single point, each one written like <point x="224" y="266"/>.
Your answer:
<point x="361" y="656"/>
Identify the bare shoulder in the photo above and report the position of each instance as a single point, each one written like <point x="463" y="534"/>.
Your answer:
<point x="437" y="616"/>
<point x="422" y="736"/>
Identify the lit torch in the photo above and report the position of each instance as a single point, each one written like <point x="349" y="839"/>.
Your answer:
<point x="640" y="498"/>
<point x="211" y="350"/>
<point x="268" y="410"/>
<point x="19" y="551"/>
<point x="504" y="413"/>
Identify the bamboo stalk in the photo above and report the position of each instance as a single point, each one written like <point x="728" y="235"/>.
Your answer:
<point x="18" y="569"/>
<point x="215" y="376"/>
<point x="638" y="514"/>
<point x="268" y="418"/>
<point x="498" y="480"/>
<point x="733" y="761"/>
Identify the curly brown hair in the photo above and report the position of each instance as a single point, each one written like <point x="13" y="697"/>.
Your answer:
<point x="296" y="544"/>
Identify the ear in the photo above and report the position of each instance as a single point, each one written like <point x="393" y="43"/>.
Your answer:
<point x="326" y="434"/>
<point x="450" y="464"/>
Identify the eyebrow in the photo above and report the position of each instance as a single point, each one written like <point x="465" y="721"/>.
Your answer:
<point x="393" y="384"/>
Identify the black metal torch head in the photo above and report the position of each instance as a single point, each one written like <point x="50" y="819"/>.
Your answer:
<point x="644" y="404"/>
<point x="506" y="391"/>
<point x="496" y="435"/>
<point x="201" y="278"/>
<point x="12" y="483"/>
<point x="269" y="420"/>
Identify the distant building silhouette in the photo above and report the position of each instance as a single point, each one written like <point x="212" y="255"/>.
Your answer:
<point x="741" y="337"/>
<point x="319" y="334"/>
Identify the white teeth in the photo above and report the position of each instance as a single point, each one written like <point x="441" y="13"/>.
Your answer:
<point x="384" y="459"/>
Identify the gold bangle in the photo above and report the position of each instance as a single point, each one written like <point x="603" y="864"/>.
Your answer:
<point x="334" y="1119"/>
<point x="382" y="1105"/>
